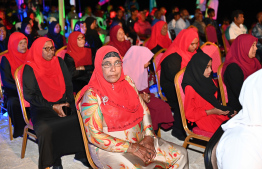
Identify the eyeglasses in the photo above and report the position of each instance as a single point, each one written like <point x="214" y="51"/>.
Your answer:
<point x="109" y="65"/>
<point x="49" y="48"/>
<point x="80" y="38"/>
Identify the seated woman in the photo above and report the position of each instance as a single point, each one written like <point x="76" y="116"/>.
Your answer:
<point x="78" y="60"/>
<point x="240" y="145"/>
<point x="93" y="40"/>
<point x="136" y="67"/>
<point x="48" y="88"/>
<point x="26" y="29"/>
<point x="159" y="37"/>
<point x="80" y="26"/>
<point x="118" y="122"/>
<point x="201" y="105"/>
<point x="173" y="60"/>
<point x="142" y="27"/>
<point x="117" y="39"/>
<point x="54" y="34"/>
<point x="3" y="38"/>
<point x="16" y="56"/>
<point x="240" y="62"/>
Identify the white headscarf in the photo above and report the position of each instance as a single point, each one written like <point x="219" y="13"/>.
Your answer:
<point x="241" y="144"/>
<point x="133" y="65"/>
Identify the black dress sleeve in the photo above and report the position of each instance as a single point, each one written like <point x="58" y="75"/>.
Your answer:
<point x="6" y="75"/>
<point x="69" y="86"/>
<point x="170" y="66"/>
<point x="70" y="63"/>
<point x="156" y="49"/>
<point x="31" y="89"/>
<point x="234" y="78"/>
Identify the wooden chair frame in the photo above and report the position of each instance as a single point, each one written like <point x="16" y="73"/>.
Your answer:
<point x="90" y="160"/>
<point x="183" y="117"/>
<point x="224" y="43"/>
<point x="106" y="43"/>
<point x="157" y="76"/>
<point x="192" y="26"/>
<point x="2" y="101"/>
<point x="144" y="43"/>
<point x="62" y="48"/>
<point x="22" y="103"/>
<point x="221" y="87"/>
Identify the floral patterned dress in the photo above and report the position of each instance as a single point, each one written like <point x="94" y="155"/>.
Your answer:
<point x="108" y="149"/>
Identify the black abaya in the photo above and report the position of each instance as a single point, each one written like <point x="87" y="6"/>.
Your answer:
<point x="57" y="136"/>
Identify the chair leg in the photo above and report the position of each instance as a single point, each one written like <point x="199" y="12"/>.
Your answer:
<point x="24" y="142"/>
<point x="186" y="142"/>
<point x="10" y="128"/>
<point x="159" y="133"/>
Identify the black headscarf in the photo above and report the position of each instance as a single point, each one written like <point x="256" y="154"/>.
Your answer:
<point x="92" y="36"/>
<point x="56" y="37"/>
<point x="205" y="87"/>
<point x="30" y="37"/>
<point x="77" y="26"/>
<point x="4" y="43"/>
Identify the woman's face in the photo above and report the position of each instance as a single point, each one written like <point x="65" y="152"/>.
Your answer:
<point x="147" y="64"/>
<point x="2" y="33"/>
<point x="28" y="29"/>
<point x="208" y="69"/>
<point x="48" y="51"/>
<point x="253" y="50"/>
<point x="83" y="28"/>
<point x="120" y="35"/>
<point x="164" y="30"/>
<point x="93" y="25"/>
<point x="22" y="46"/>
<point x="111" y="68"/>
<point x="57" y="28"/>
<point x="193" y="46"/>
<point x="81" y="40"/>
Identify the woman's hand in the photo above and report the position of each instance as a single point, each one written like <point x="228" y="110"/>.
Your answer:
<point x="80" y="68"/>
<point x="148" y="142"/>
<point x="235" y="112"/>
<point x="59" y="110"/>
<point x="140" y="151"/>
<point x="216" y="111"/>
<point x="146" y="97"/>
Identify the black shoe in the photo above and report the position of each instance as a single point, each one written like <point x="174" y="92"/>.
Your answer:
<point x="84" y="161"/>
<point x="179" y="135"/>
<point x="58" y="167"/>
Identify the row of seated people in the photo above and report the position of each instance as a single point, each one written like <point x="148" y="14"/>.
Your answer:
<point x="181" y="50"/>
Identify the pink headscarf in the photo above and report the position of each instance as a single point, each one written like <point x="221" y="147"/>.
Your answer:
<point x="133" y="65"/>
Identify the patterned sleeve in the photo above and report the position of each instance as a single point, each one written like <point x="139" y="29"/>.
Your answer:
<point x="147" y="122"/>
<point x="93" y="122"/>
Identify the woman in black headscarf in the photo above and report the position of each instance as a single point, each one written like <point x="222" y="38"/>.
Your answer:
<point x="3" y="38"/>
<point x="26" y="29"/>
<point x="54" y="34"/>
<point x="92" y="37"/>
<point x="201" y="105"/>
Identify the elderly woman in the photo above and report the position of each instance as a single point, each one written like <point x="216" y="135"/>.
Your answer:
<point x="117" y="39"/>
<point x="16" y="56"/>
<point x="118" y="123"/>
<point x="48" y="88"/>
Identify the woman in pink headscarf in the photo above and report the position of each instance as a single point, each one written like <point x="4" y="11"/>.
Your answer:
<point x="239" y="64"/>
<point x="135" y="64"/>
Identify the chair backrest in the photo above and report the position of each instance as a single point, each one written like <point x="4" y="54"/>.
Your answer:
<point x="181" y="97"/>
<point x="213" y="51"/>
<point x="192" y="26"/>
<point x="211" y="34"/>
<point x="222" y="86"/>
<point x="224" y="28"/>
<point x="225" y="43"/>
<point x="84" y="133"/>
<point x="156" y="59"/>
<point x="19" y="85"/>
<point x="61" y="52"/>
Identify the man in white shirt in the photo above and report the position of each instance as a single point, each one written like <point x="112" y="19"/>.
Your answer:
<point x="236" y="28"/>
<point x="183" y="22"/>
